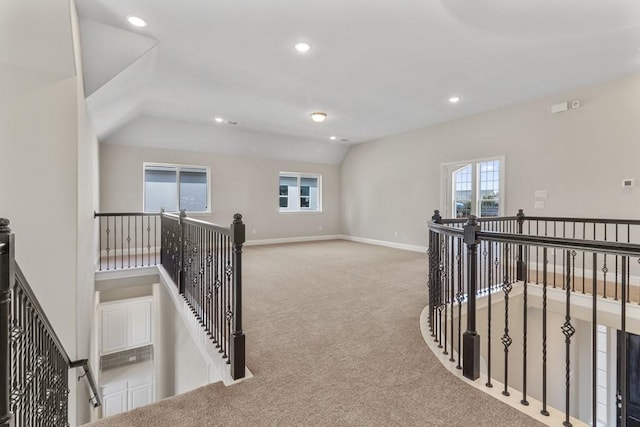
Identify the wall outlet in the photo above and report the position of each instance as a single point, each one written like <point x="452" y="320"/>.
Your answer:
<point x="319" y="228"/>
<point x="253" y="231"/>
<point x="396" y="234"/>
<point x="132" y="358"/>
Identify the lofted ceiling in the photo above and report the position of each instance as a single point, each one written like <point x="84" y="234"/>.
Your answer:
<point x="376" y="67"/>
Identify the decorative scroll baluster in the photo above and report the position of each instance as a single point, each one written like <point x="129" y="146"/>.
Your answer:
<point x="568" y="330"/>
<point x="544" y="410"/>
<point x="506" y="339"/>
<point x="489" y="309"/>
<point x="525" y="294"/>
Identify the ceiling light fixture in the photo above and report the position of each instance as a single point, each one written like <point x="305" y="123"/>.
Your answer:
<point x="302" y="47"/>
<point x="136" y="21"/>
<point x="318" y="116"/>
<point x="219" y="119"/>
<point x="454" y="99"/>
<point x="333" y="138"/>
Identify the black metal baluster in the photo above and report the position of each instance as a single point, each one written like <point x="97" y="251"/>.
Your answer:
<point x="148" y="240"/>
<point x="524" y="400"/>
<point x="121" y="243"/>
<point x="100" y="243"/>
<point x="216" y="271"/>
<point x="108" y="231"/>
<point x="506" y="339"/>
<point x="489" y="309"/>
<point x="544" y="332"/>
<point x="129" y="241"/>
<point x="584" y="236"/>
<point x="594" y="341"/>
<point x="568" y="330"/>
<point x="455" y="297"/>
<point x="459" y="299"/>
<point x="623" y="349"/>
<point x="135" y="241"/>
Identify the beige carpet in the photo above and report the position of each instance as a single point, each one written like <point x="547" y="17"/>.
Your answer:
<point x="333" y="339"/>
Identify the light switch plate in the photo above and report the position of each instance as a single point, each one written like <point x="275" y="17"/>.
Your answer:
<point x="541" y="194"/>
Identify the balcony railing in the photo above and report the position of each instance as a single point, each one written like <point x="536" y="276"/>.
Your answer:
<point x="484" y="258"/>
<point x="33" y="363"/>
<point x="204" y="261"/>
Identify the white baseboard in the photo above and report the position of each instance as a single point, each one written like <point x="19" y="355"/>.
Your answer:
<point x="403" y="246"/>
<point x="292" y="240"/>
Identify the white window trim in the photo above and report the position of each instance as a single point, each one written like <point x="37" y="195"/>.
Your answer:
<point x="446" y="193"/>
<point x="300" y="175"/>
<point x="178" y="166"/>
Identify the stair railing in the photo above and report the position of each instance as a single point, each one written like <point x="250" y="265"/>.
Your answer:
<point x="34" y="366"/>
<point x="204" y="260"/>
<point x="472" y="258"/>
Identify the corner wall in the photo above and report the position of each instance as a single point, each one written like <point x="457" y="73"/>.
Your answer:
<point x="580" y="157"/>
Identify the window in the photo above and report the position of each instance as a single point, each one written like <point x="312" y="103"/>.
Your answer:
<point x="175" y="187"/>
<point x="474" y="188"/>
<point x="300" y="192"/>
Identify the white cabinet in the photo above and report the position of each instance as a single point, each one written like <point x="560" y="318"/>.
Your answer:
<point x="126" y="395"/>
<point x="126" y="324"/>
<point x="114" y="403"/>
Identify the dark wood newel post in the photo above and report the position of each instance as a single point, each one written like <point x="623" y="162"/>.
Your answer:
<point x="7" y="277"/>
<point x="471" y="339"/>
<point x="181" y="278"/>
<point x="520" y="267"/>
<point x="237" y="345"/>
<point x="434" y="262"/>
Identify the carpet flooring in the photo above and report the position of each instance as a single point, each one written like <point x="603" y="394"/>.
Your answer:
<point x="333" y="339"/>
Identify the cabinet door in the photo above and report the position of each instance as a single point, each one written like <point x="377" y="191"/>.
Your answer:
<point x="114" y="328"/>
<point x="114" y="403"/>
<point x="139" y="323"/>
<point x="140" y="395"/>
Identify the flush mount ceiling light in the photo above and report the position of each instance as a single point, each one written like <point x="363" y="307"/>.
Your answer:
<point x="318" y="116"/>
<point x="136" y="21"/>
<point x="219" y="119"/>
<point x="454" y="99"/>
<point x="333" y="138"/>
<point x="302" y="47"/>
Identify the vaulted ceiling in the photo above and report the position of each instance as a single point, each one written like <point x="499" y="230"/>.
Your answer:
<point x="376" y="67"/>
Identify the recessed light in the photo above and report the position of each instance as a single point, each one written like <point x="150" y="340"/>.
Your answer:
<point x="333" y="138"/>
<point x="454" y="99"/>
<point x="136" y="21"/>
<point x="302" y="47"/>
<point x="219" y="119"/>
<point x="318" y="116"/>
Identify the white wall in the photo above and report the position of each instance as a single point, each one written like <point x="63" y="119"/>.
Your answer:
<point x="579" y="157"/>
<point x="48" y="168"/>
<point x="238" y="184"/>
<point x="180" y="366"/>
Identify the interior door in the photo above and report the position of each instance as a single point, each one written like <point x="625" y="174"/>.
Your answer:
<point x="632" y="392"/>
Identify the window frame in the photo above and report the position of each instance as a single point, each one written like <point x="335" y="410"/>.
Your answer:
<point x="177" y="166"/>
<point x="447" y="195"/>
<point x="297" y="208"/>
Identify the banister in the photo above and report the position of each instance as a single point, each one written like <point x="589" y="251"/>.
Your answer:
<point x="22" y="282"/>
<point x="88" y="372"/>
<point x="21" y="316"/>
